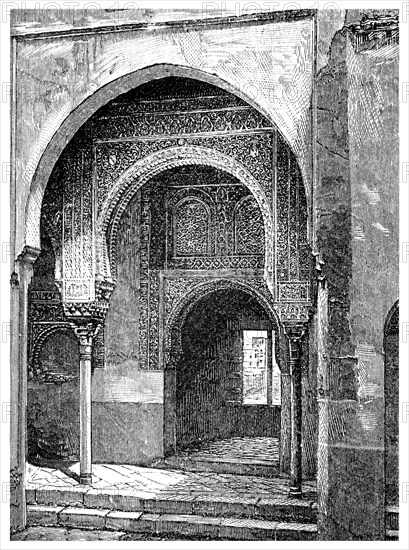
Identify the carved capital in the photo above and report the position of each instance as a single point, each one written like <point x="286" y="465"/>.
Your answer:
<point x="85" y="334"/>
<point x="295" y="333"/>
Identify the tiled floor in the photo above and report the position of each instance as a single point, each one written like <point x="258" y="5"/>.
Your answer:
<point x="248" y="450"/>
<point x="164" y="484"/>
<point x="62" y="534"/>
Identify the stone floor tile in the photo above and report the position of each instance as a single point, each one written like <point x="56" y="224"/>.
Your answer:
<point x="42" y="533"/>
<point x="83" y="517"/>
<point x="80" y="534"/>
<point x="188" y="518"/>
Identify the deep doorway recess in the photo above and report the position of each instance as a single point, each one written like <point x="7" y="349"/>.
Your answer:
<point x="219" y="394"/>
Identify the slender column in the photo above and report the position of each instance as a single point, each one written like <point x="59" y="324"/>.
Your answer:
<point x="85" y="335"/>
<point x="20" y="281"/>
<point x="285" y="432"/>
<point x="295" y="334"/>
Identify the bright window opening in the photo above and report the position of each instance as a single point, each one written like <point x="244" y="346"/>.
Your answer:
<point x="261" y="374"/>
<point x="255" y="367"/>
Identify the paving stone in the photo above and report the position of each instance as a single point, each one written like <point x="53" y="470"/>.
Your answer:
<point x="247" y="529"/>
<point x="137" y="522"/>
<point x="79" y="534"/>
<point x="296" y="531"/>
<point x="115" y="499"/>
<point x="179" y="494"/>
<point x="176" y="505"/>
<point x="250" y="450"/>
<point x="123" y="520"/>
<point x="83" y="517"/>
<point x="43" y="515"/>
<point x="64" y="534"/>
<point x="224" y="505"/>
<point x="286" y="509"/>
<point x="189" y="525"/>
<point x="41" y="533"/>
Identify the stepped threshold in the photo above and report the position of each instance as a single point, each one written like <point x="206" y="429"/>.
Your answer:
<point x="134" y="499"/>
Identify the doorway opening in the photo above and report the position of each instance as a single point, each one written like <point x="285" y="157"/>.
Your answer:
<point x="228" y="386"/>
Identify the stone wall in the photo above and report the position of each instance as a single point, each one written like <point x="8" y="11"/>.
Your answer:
<point x="357" y="236"/>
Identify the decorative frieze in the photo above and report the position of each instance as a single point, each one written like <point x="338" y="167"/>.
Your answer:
<point x="104" y="289"/>
<point x="293" y="311"/>
<point x="143" y="124"/>
<point x="293" y="291"/>
<point x="130" y="106"/>
<point x="217" y="262"/>
<point x="46" y="311"/>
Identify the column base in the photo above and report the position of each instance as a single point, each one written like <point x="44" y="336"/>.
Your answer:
<point x="86" y="479"/>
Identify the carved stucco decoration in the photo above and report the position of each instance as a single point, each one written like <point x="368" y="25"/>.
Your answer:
<point x="39" y="333"/>
<point x="141" y="171"/>
<point x="293" y="311"/>
<point x="48" y="315"/>
<point x="191" y="227"/>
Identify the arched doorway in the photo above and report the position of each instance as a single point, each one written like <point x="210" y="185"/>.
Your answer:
<point x="227" y="377"/>
<point x="225" y="218"/>
<point x="391" y="381"/>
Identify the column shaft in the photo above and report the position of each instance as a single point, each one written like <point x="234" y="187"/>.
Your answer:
<point x="84" y="334"/>
<point x="296" y="420"/>
<point x="85" y="421"/>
